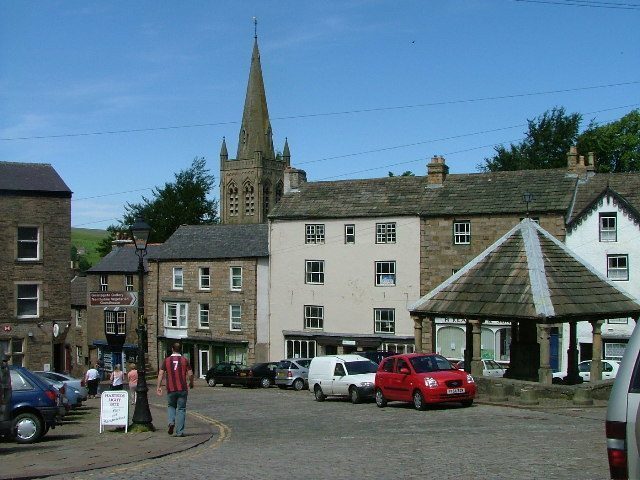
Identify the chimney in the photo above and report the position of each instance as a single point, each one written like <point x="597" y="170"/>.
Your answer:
<point x="591" y="164"/>
<point x="437" y="171"/>
<point x="575" y="162"/>
<point x="120" y="241"/>
<point x="294" y="178"/>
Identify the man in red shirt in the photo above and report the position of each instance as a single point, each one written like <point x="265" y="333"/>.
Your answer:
<point x="178" y="373"/>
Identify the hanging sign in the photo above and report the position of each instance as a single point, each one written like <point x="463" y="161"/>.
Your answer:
<point x="113" y="299"/>
<point x="114" y="409"/>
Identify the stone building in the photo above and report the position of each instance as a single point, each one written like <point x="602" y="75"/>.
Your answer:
<point x="77" y="335"/>
<point x="207" y="289"/>
<point x="35" y="241"/>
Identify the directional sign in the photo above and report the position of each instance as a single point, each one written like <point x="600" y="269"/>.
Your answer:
<point x="113" y="299"/>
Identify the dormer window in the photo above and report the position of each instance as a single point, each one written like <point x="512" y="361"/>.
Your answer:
<point x="608" y="227"/>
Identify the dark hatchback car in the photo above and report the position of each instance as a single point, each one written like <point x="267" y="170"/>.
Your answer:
<point x="35" y="406"/>
<point x="258" y="375"/>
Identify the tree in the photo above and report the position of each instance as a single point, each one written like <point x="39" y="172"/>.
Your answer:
<point x="616" y="145"/>
<point x="406" y="173"/>
<point x="545" y="145"/>
<point x="184" y="201"/>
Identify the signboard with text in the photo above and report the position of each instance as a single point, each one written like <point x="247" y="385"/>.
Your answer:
<point x="113" y="299"/>
<point x="114" y="409"/>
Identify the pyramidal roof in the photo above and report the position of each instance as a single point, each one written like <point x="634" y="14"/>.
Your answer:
<point x="528" y="275"/>
<point x="255" y="131"/>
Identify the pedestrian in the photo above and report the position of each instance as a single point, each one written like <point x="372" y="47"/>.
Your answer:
<point x="117" y="377"/>
<point x="91" y="380"/>
<point x="132" y="378"/>
<point x="178" y="373"/>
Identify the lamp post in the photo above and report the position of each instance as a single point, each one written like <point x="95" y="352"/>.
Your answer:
<point x="140" y="231"/>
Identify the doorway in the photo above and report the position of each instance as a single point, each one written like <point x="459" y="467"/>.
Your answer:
<point x="203" y="356"/>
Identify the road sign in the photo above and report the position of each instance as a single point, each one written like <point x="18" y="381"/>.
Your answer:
<point x="113" y="299"/>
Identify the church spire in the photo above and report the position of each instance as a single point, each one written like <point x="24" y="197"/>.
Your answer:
<point x="255" y="131"/>
<point x="224" y="155"/>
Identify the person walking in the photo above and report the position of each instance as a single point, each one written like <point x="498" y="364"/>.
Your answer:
<point x="117" y="377"/>
<point x="91" y="380"/>
<point x="179" y="374"/>
<point x="132" y="378"/>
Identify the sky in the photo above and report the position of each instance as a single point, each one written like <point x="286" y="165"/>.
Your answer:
<point x="118" y="96"/>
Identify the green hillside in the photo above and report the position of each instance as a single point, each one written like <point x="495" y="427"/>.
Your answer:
<point x="86" y="240"/>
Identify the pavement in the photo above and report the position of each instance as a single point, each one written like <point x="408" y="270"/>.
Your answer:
<point x="77" y="446"/>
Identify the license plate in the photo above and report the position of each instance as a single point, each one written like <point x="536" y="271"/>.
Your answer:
<point x="243" y="374"/>
<point x="451" y="391"/>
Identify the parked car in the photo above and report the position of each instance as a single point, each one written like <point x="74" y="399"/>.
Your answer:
<point x="490" y="368"/>
<point x="77" y="383"/>
<point x="293" y="372"/>
<point x="72" y="395"/>
<point x="422" y="378"/>
<point x="228" y="373"/>
<point x="342" y="375"/>
<point x="35" y="405"/>
<point x="623" y="424"/>
<point x="609" y="370"/>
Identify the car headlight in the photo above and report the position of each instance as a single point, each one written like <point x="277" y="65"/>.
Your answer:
<point x="470" y="378"/>
<point x="366" y="384"/>
<point x="430" y="382"/>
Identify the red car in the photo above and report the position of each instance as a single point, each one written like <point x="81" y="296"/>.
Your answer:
<point x="422" y="378"/>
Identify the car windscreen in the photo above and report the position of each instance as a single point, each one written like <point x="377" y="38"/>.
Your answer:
<point x="430" y="363"/>
<point x="362" y="366"/>
<point x="304" y="363"/>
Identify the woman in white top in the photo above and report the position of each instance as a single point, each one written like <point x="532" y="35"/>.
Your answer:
<point x="116" y="378"/>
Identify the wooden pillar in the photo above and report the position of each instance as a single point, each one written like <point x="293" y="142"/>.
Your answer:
<point x="476" y="361"/>
<point x="468" y="346"/>
<point x="572" y="354"/>
<point x="596" y="352"/>
<point x="544" y="370"/>
<point x="417" y="333"/>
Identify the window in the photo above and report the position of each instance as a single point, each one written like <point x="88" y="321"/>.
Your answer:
<point x="279" y="191"/>
<point x="204" y="279"/>
<point x="314" y="272"/>
<point x="203" y="315"/>
<point x="266" y="197"/>
<point x="28" y="243"/>
<point x="27" y="304"/>
<point x="235" y="274"/>
<point x="349" y="234"/>
<point x="78" y="315"/>
<point x="314" y="233"/>
<point x="128" y="283"/>
<point x="386" y="232"/>
<point x="115" y="321"/>
<point x="235" y="318"/>
<point x="104" y="283"/>
<point x="233" y="200"/>
<point x="14" y="349"/>
<point x="313" y="317"/>
<point x="300" y="349"/>
<point x="385" y="320"/>
<point x="385" y="274"/>
<point x="462" y="233"/>
<point x="398" y="347"/>
<point x="79" y="356"/>
<point x="618" y="267"/>
<point x="249" y="199"/>
<point x="178" y="279"/>
<point x="608" y="227"/>
<point x="614" y="351"/>
<point x="175" y="314"/>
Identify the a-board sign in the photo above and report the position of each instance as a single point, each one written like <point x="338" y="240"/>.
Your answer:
<point x="114" y="409"/>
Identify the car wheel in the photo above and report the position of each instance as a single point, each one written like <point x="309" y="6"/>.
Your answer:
<point x="354" y="395"/>
<point x="265" y="382"/>
<point x="317" y="391"/>
<point x="380" y="400"/>
<point x="418" y="400"/>
<point x="211" y="382"/>
<point x="28" y="427"/>
<point x="298" y="384"/>
<point x="467" y="403"/>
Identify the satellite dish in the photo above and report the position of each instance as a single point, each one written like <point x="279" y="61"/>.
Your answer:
<point x="56" y="330"/>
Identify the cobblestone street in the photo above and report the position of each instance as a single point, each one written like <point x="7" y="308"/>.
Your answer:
<point x="274" y="434"/>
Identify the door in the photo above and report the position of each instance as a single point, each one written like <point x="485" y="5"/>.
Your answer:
<point x="401" y="381"/>
<point x="340" y="381"/>
<point x="203" y="356"/>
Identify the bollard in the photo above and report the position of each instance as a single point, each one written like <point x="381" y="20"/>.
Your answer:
<point x="497" y="393"/>
<point x="582" y="396"/>
<point x="528" y="396"/>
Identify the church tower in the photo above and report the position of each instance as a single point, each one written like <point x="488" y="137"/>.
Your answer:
<point x="252" y="183"/>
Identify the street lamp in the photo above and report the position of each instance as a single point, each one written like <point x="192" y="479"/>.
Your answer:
<point x="142" y="415"/>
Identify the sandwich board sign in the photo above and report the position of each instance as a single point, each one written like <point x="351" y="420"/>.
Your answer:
<point x="114" y="409"/>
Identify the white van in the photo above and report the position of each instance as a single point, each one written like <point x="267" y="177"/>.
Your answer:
<point x="623" y="423"/>
<point x="350" y="375"/>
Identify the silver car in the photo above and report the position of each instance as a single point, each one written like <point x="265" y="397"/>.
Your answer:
<point x="75" y="383"/>
<point x="623" y="415"/>
<point x="293" y="372"/>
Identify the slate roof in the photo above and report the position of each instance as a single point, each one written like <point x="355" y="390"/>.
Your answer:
<point x="588" y="194"/>
<point x="32" y="178"/>
<point x="461" y="194"/>
<point x="192" y="242"/>
<point x="123" y="260"/>
<point x="79" y="291"/>
<point x="528" y="275"/>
